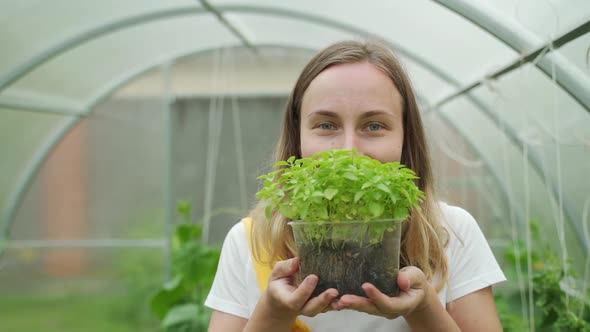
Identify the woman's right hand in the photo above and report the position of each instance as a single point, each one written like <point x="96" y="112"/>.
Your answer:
<point x="290" y="300"/>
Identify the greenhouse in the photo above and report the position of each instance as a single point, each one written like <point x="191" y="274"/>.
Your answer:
<point x="132" y="134"/>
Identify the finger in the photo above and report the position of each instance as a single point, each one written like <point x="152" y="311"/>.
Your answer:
<point x="291" y="297"/>
<point x="303" y="292"/>
<point x="357" y="303"/>
<point x="320" y="303"/>
<point x="285" y="268"/>
<point x="410" y="277"/>
<point x="331" y="306"/>
<point x="390" y="307"/>
<point x="380" y="300"/>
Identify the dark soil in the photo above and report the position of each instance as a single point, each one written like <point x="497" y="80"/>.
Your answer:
<point x="347" y="268"/>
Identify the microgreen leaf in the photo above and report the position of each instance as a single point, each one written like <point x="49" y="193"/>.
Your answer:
<point x="383" y="188"/>
<point x="400" y="213"/>
<point x="330" y="193"/>
<point x="376" y="209"/>
<point x="358" y="195"/>
<point x="350" y="176"/>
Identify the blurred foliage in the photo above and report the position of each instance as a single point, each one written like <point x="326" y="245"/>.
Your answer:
<point x="559" y="303"/>
<point x="65" y="312"/>
<point x="137" y="300"/>
<point x="179" y="302"/>
<point x="111" y="294"/>
<point x="140" y="271"/>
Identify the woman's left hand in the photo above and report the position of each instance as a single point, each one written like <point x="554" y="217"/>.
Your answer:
<point x="412" y="298"/>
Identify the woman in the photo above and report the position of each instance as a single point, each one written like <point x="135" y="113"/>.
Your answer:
<point x="357" y="95"/>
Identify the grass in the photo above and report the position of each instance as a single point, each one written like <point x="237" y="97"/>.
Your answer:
<point x="76" y="312"/>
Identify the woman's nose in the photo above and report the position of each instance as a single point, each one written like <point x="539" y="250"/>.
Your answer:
<point x="351" y="141"/>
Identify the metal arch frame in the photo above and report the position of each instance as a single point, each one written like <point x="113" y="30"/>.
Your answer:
<point x="506" y="194"/>
<point x="25" y="106"/>
<point x="34" y="166"/>
<point x="26" y="178"/>
<point x="103" y="29"/>
<point x="96" y="31"/>
<point x="531" y="56"/>
<point x="567" y="76"/>
<point x="233" y="29"/>
<point x="535" y="160"/>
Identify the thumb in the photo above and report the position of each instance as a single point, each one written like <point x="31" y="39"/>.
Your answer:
<point x="286" y="268"/>
<point x="410" y="277"/>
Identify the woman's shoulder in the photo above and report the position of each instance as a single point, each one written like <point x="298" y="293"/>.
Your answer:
<point x="456" y="218"/>
<point x="449" y="210"/>
<point x="472" y="264"/>
<point x="236" y="239"/>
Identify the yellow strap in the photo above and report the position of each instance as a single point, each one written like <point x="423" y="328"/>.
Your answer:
<point x="263" y="274"/>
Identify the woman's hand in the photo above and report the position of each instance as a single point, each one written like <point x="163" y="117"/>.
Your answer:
<point x="411" y="300"/>
<point x="283" y="301"/>
<point x="288" y="300"/>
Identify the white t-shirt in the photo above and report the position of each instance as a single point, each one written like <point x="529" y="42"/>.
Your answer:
<point x="472" y="266"/>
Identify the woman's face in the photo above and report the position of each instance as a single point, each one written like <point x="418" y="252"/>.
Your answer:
<point x="352" y="106"/>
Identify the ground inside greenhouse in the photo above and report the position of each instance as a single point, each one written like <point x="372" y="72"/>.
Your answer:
<point x="95" y="312"/>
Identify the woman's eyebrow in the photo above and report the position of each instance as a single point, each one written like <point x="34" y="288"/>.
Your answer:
<point x="323" y="113"/>
<point x="333" y="114"/>
<point x="369" y="114"/>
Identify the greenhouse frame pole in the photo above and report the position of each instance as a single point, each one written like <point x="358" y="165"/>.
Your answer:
<point x="530" y="57"/>
<point x="233" y="29"/>
<point x="506" y="193"/>
<point x="28" y="175"/>
<point x="106" y="28"/>
<point x="568" y="76"/>
<point x="169" y="205"/>
<point x="102" y="29"/>
<point x="49" y="109"/>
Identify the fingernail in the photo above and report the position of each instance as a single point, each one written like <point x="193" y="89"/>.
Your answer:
<point x="311" y="280"/>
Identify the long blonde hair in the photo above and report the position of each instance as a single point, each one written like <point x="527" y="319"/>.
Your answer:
<point x="423" y="237"/>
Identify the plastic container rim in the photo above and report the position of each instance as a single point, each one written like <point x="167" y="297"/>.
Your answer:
<point x="344" y="222"/>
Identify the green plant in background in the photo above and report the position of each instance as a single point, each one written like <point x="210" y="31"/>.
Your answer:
<point x="139" y="270"/>
<point x="558" y="304"/>
<point x="179" y="302"/>
<point x="339" y="185"/>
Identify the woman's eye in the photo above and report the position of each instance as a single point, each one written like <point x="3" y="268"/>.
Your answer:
<point x="374" y="127"/>
<point x="326" y="126"/>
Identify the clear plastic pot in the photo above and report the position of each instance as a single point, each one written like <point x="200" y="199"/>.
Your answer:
<point x="346" y="254"/>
